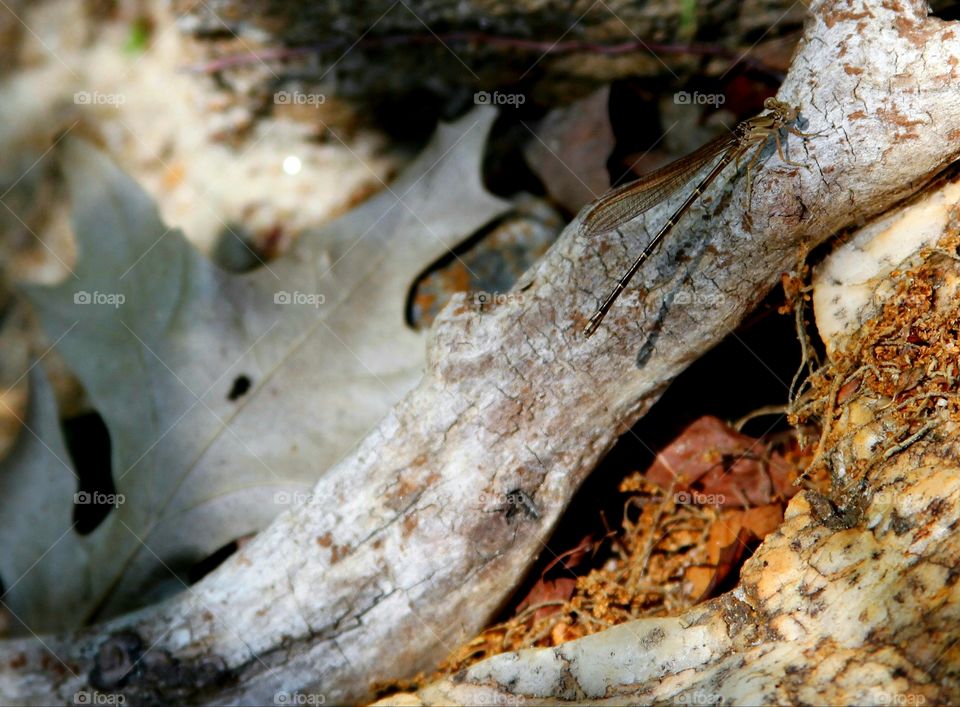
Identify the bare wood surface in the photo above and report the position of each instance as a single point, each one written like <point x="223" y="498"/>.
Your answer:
<point x="404" y="549"/>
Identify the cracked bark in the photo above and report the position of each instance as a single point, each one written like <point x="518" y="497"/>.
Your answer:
<point x="488" y="44"/>
<point x="401" y="553"/>
<point x="830" y="610"/>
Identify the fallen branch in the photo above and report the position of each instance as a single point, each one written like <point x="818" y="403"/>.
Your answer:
<point x="383" y="46"/>
<point x="854" y="599"/>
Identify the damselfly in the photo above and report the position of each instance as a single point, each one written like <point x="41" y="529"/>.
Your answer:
<point x="626" y="202"/>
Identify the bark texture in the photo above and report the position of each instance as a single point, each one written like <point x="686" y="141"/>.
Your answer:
<point x="824" y="614"/>
<point x="389" y="48"/>
<point x="407" y="546"/>
<point x="854" y="599"/>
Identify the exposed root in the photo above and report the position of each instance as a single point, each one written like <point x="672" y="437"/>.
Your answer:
<point x="905" y="360"/>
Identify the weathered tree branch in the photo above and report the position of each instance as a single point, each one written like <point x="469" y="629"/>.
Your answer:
<point x="824" y="614"/>
<point x="854" y="599"/>
<point x="378" y="49"/>
<point x="405" y="548"/>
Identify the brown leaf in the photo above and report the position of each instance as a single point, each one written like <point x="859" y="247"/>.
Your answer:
<point x="762" y="520"/>
<point x="732" y="539"/>
<point x="710" y="463"/>
<point x="560" y="589"/>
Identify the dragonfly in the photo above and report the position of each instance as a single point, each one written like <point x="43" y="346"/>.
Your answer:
<point x="624" y="203"/>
